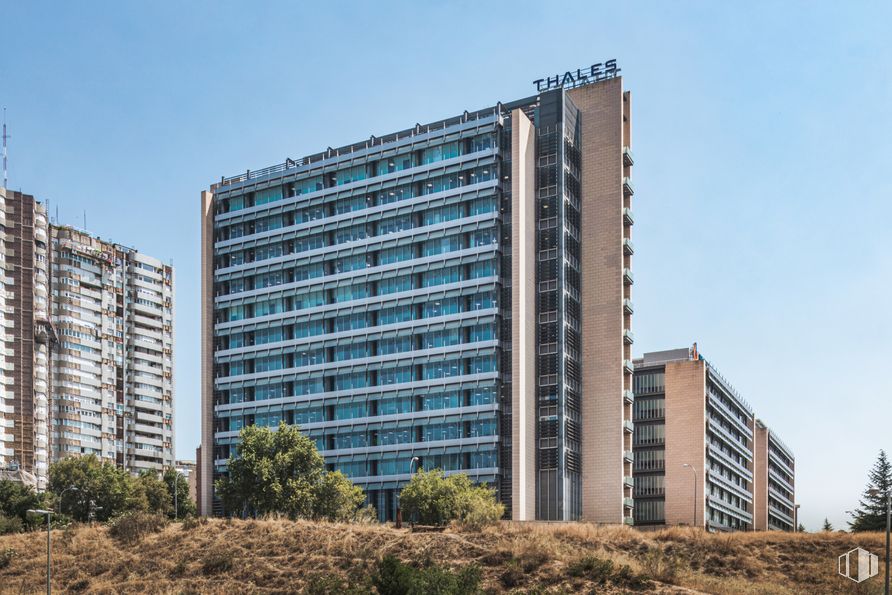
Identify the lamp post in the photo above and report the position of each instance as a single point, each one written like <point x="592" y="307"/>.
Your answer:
<point x="695" y="490"/>
<point x="176" y="489"/>
<point x="62" y="493"/>
<point x="414" y="460"/>
<point x="876" y="492"/>
<point x="47" y="514"/>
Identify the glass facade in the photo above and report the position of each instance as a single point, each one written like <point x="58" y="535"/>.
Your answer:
<point x="361" y="300"/>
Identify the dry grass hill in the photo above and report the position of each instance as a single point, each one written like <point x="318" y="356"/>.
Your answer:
<point x="278" y="556"/>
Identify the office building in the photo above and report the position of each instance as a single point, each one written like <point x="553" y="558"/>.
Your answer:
<point x="775" y="470"/>
<point x="87" y="367"/>
<point x="25" y="337"/>
<point x="455" y="295"/>
<point x="693" y="445"/>
<point x="113" y="364"/>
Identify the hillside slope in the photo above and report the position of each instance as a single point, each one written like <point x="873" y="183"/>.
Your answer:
<point x="273" y="556"/>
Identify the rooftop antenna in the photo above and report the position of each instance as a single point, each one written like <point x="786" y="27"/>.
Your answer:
<point x="5" y="136"/>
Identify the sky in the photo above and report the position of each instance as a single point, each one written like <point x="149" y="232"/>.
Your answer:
<point x="761" y="134"/>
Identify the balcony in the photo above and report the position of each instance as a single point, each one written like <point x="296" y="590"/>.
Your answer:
<point x="629" y="502"/>
<point x="628" y="157"/>
<point x="628" y="337"/>
<point x="628" y="482"/>
<point x="628" y="308"/>
<point x="628" y="277"/>
<point x="628" y="396"/>
<point x="628" y="366"/>
<point x="628" y="218"/>
<point x="628" y="426"/>
<point x="629" y="456"/>
<point x="628" y="247"/>
<point x="628" y="187"/>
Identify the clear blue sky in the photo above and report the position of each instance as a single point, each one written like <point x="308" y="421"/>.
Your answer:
<point x="761" y="133"/>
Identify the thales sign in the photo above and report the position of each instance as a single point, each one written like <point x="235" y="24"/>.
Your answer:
<point x="580" y="76"/>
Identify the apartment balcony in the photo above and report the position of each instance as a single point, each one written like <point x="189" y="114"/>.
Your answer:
<point x="628" y="366"/>
<point x="628" y="277"/>
<point x="628" y="481"/>
<point x="628" y="307"/>
<point x="628" y="247"/>
<point x="629" y="456"/>
<point x="628" y="337"/>
<point x="628" y="187"/>
<point x="629" y="502"/>
<point x="628" y="218"/>
<point x="628" y="396"/>
<point x="628" y="157"/>
<point x="628" y="426"/>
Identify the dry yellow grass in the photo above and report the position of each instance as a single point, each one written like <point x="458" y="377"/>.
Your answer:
<point x="274" y="556"/>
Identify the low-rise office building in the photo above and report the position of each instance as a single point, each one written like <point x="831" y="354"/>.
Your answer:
<point x="694" y="445"/>
<point x="775" y="470"/>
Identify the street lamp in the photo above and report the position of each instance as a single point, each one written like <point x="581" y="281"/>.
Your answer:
<point x="176" y="489"/>
<point x="876" y="492"/>
<point x="695" y="490"/>
<point x="414" y="460"/>
<point x="62" y="493"/>
<point x="46" y="513"/>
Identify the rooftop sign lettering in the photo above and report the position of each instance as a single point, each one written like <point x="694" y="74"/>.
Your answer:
<point x="579" y="77"/>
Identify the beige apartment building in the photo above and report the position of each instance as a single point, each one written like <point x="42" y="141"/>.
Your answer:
<point x="87" y="361"/>
<point x="25" y="339"/>
<point x="112" y="391"/>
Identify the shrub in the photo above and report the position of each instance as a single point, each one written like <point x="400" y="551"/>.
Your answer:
<point x="191" y="522"/>
<point x="431" y="498"/>
<point x="134" y="526"/>
<point x="660" y="565"/>
<point x="591" y="568"/>
<point x="512" y="575"/>
<point x="217" y="562"/>
<point x="6" y="557"/>
<point x="392" y="577"/>
<point x="10" y="524"/>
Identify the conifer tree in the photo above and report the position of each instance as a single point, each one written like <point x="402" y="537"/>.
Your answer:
<point x="871" y="512"/>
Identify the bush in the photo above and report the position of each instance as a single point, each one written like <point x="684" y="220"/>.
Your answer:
<point x="661" y="565"/>
<point x="217" y="562"/>
<point x="191" y="522"/>
<point x="6" y="557"/>
<point x="512" y="575"/>
<point x="392" y="577"/>
<point x="134" y="526"/>
<point x="591" y="568"/>
<point x="10" y="524"/>
<point x="431" y="498"/>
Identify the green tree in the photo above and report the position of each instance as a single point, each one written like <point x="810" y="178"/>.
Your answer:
<point x="871" y="512"/>
<point x="282" y="472"/>
<point x="185" y="503"/>
<point x="432" y="498"/>
<point x="336" y="498"/>
<point x="101" y="488"/>
<point x="15" y="500"/>
<point x="150" y="493"/>
<point x="827" y="526"/>
<point x="801" y="528"/>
